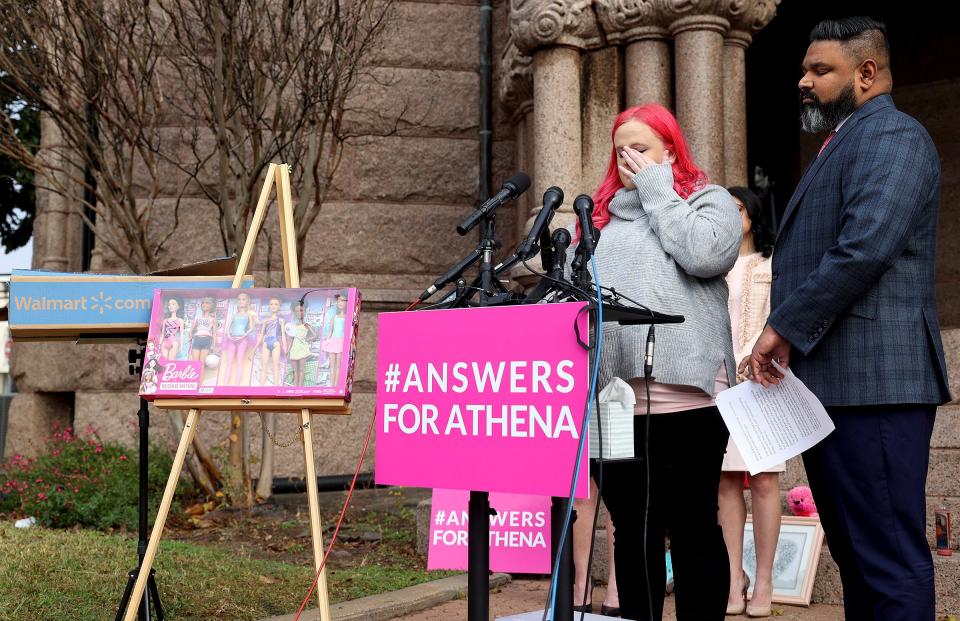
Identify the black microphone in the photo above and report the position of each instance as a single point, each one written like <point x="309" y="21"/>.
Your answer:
<point x="452" y="274"/>
<point x="546" y="249"/>
<point x="552" y="199"/>
<point x="561" y="241"/>
<point x="648" y="355"/>
<point x="583" y="207"/>
<point x="512" y="188"/>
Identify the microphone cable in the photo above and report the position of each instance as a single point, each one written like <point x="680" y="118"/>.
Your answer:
<point x="588" y="587"/>
<point x="567" y="285"/>
<point x="647" y="375"/>
<point x="343" y="512"/>
<point x="552" y="592"/>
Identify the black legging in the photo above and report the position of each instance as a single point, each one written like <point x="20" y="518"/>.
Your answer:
<point x="686" y="451"/>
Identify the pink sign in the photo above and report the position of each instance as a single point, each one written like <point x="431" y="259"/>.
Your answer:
<point x="519" y="532"/>
<point x="485" y="399"/>
<point x="251" y="343"/>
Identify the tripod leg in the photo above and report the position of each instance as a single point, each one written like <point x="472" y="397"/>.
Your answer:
<point x="131" y="578"/>
<point x="314" y="501"/>
<point x="155" y="595"/>
<point x="186" y="439"/>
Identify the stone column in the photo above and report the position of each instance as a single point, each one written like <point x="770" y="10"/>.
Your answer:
<point x="640" y="27"/>
<point x="56" y="208"/>
<point x="557" y="134"/>
<point x="648" y="69"/>
<point x="523" y="160"/>
<point x="735" y="107"/>
<point x="554" y="33"/>
<point x="745" y="19"/>
<point x="698" y="49"/>
<point x="601" y="79"/>
<point x="516" y="100"/>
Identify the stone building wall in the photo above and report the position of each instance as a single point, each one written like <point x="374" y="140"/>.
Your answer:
<point x="388" y="227"/>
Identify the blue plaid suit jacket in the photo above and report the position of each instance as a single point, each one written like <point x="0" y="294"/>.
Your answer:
<point x="853" y="266"/>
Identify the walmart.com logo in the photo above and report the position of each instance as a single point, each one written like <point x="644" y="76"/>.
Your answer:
<point x="101" y="303"/>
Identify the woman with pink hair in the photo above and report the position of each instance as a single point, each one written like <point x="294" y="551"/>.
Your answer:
<point x="668" y="238"/>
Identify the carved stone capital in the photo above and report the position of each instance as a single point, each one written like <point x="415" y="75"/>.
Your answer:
<point x="750" y="16"/>
<point x="536" y="24"/>
<point x="516" y="79"/>
<point x="625" y="21"/>
<point x="699" y="21"/>
<point x="738" y="38"/>
<point x="674" y="10"/>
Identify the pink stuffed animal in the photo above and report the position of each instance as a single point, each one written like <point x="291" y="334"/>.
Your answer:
<point x="800" y="499"/>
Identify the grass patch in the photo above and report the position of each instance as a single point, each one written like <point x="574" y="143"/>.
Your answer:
<point x="80" y="575"/>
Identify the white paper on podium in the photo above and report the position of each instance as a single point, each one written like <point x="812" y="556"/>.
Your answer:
<point x="771" y="425"/>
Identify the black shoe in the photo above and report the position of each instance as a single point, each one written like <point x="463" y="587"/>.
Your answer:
<point x="609" y="611"/>
<point x="583" y="608"/>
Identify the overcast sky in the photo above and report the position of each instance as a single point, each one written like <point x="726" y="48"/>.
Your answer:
<point x="18" y="259"/>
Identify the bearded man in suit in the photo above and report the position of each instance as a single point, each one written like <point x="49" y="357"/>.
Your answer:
<point x="854" y="316"/>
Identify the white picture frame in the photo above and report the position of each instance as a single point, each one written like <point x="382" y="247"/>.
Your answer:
<point x="796" y="560"/>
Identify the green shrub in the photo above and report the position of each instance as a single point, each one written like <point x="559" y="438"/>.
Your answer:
<point x="81" y="482"/>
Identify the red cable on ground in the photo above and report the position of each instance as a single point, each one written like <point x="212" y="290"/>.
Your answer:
<point x="343" y="512"/>
<point x="412" y="305"/>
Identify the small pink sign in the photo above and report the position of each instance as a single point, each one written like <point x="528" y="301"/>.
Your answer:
<point x="485" y="399"/>
<point x="519" y="532"/>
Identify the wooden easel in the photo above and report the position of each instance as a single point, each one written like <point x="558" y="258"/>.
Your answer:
<point x="279" y="175"/>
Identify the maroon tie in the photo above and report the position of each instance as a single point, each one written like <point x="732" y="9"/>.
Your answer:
<point x="826" y="142"/>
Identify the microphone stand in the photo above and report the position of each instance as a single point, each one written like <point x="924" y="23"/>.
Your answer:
<point x="478" y="507"/>
<point x="136" y="359"/>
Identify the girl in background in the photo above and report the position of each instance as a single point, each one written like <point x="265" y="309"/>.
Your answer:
<point x="749" y="304"/>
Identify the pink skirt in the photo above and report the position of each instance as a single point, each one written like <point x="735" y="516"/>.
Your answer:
<point x="332" y="345"/>
<point x="733" y="461"/>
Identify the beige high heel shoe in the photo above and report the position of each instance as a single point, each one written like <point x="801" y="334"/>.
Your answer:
<point x="740" y="607"/>
<point x="759" y="612"/>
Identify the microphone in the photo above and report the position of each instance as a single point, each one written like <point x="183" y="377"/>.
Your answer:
<point x="512" y="188"/>
<point x="583" y="207"/>
<point x="552" y="199"/>
<point x="546" y="249"/>
<point x="452" y="274"/>
<point x="648" y="355"/>
<point x="561" y="241"/>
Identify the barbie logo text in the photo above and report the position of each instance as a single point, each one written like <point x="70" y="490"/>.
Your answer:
<point x="171" y="372"/>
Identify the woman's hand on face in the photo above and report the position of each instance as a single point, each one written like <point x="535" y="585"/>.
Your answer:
<point x="634" y="161"/>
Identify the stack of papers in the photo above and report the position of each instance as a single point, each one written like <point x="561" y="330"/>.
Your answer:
<point x="771" y="425"/>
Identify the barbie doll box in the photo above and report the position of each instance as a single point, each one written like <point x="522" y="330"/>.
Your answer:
<point x="266" y="343"/>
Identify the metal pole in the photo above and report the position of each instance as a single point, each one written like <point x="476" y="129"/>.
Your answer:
<point x="478" y="532"/>
<point x="144" y="424"/>
<point x="478" y="557"/>
<point x="563" y="610"/>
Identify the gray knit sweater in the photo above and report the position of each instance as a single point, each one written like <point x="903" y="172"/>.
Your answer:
<point x="670" y="254"/>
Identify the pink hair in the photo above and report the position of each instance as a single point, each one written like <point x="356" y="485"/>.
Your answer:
<point x="687" y="178"/>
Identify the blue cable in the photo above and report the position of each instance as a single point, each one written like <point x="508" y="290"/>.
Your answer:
<point x="583" y="435"/>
